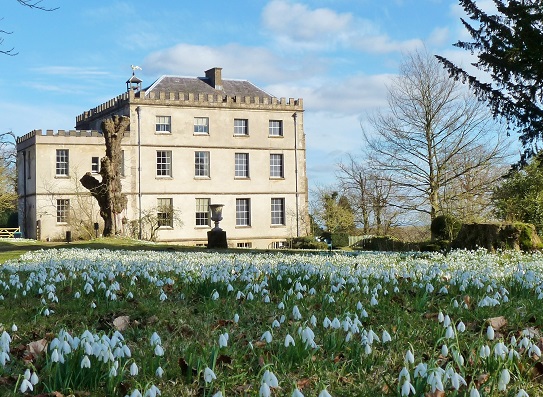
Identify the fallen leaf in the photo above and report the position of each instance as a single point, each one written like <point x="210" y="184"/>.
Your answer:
<point x="437" y="393"/>
<point x="303" y="383"/>
<point x="121" y="323"/>
<point x="224" y="359"/>
<point x="482" y="379"/>
<point x="467" y="300"/>
<point x="497" y="322"/>
<point x="37" y="347"/>
<point x="259" y="343"/>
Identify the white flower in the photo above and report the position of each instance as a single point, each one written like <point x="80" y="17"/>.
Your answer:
<point x="218" y="394"/>
<point x="209" y="375"/>
<point x="522" y="393"/>
<point x="264" y="390"/>
<point x="297" y="393"/>
<point x="490" y="333"/>
<point x="85" y="362"/>
<point x="289" y="341"/>
<point x="215" y="295"/>
<point x="409" y="357"/>
<point x="14" y="328"/>
<point x="474" y="392"/>
<point x="267" y="336"/>
<point x="159" y="372"/>
<point x="505" y="377"/>
<point x="449" y="332"/>
<point x="407" y="388"/>
<point x="461" y="327"/>
<point x="134" y="369"/>
<point x="136" y="393"/>
<point x="153" y="391"/>
<point x="236" y="318"/>
<point x="444" y="351"/>
<point x="26" y="385"/>
<point x="386" y="337"/>
<point x="159" y="351"/>
<point x="223" y="340"/>
<point x="155" y="339"/>
<point x="324" y="393"/>
<point x="270" y="379"/>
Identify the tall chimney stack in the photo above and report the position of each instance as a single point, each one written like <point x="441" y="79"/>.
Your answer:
<point x="215" y="77"/>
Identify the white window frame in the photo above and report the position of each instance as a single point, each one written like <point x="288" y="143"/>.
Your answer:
<point x="241" y="161"/>
<point x="201" y="125"/>
<point x="275" y="128"/>
<point x="203" y="215"/>
<point x="163" y="163"/>
<point x="95" y="164"/>
<point x="277" y="165"/>
<point x="62" y="165"/>
<point x="241" y="127"/>
<point x="201" y="164"/>
<point x="278" y="211"/>
<point x="243" y="212"/>
<point x="63" y="211"/>
<point x="164" y="212"/>
<point x="163" y="124"/>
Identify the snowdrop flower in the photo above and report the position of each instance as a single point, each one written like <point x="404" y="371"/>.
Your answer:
<point x="386" y="337"/>
<point x="236" y="318"/>
<point x="267" y="336"/>
<point x="522" y="393"/>
<point x="159" y="372"/>
<point x="113" y="372"/>
<point x="159" y="351"/>
<point x="85" y="362"/>
<point x="420" y="370"/>
<point x="26" y="385"/>
<point x="313" y="320"/>
<point x="444" y="351"/>
<point x="457" y="380"/>
<point x="407" y="388"/>
<point x="374" y="301"/>
<point x="534" y="349"/>
<point x="446" y="321"/>
<point x="326" y="322"/>
<point x="461" y="327"/>
<point x="449" y="333"/>
<point x="404" y="373"/>
<point x="281" y="305"/>
<point x="490" y="332"/>
<point x="264" y="390"/>
<point x="136" y="393"/>
<point x="474" y="392"/>
<point x="296" y="313"/>
<point x="14" y="328"/>
<point x="505" y="377"/>
<point x="134" y="369"/>
<point x="153" y="391"/>
<point x="289" y="341"/>
<point x="218" y="394"/>
<point x="324" y="393"/>
<point x="55" y="358"/>
<point x="270" y="379"/>
<point x="297" y="393"/>
<point x="155" y="339"/>
<point x="484" y="351"/>
<point x="93" y="305"/>
<point x="209" y="375"/>
<point x="440" y="317"/>
<point x="336" y="324"/>
<point x="409" y="358"/>
<point x="4" y="357"/>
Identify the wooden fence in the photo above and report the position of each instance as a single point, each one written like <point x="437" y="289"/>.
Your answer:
<point x="10" y="232"/>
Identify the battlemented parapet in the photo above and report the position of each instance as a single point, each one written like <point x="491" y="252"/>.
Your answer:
<point x="63" y="133"/>
<point x="189" y="99"/>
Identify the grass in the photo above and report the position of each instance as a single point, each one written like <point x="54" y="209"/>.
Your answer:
<point x="192" y="297"/>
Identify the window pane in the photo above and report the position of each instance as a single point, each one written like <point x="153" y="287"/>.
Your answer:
<point x="164" y="163"/>
<point x="202" y="212"/>
<point x="95" y="166"/>
<point x="201" y="164"/>
<point x="63" y="209"/>
<point x="278" y="211"/>
<point x="163" y="124"/>
<point x="241" y="127"/>
<point x="243" y="212"/>
<point x="62" y="162"/>
<point x="276" y="166"/>
<point x="201" y="125"/>
<point x="242" y="165"/>
<point x="276" y="128"/>
<point x="165" y="212"/>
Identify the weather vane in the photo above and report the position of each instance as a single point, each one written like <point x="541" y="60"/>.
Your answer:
<point x="134" y="68"/>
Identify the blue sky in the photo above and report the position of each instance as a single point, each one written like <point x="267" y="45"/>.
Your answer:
<point x="338" y="55"/>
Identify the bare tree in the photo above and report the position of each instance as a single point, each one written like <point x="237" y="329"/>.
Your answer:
<point x="434" y="136"/>
<point x="35" y="4"/>
<point x="370" y="193"/>
<point x="108" y="192"/>
<point x="8" y="173"/>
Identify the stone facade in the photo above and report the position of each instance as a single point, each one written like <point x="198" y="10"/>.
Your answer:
<point x="191" y="141"/>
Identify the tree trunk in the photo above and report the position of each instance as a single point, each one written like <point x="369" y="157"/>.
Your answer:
<point x="108" y="192"/>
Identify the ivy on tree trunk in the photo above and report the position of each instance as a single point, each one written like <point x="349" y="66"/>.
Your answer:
<point x="108" y="192"/>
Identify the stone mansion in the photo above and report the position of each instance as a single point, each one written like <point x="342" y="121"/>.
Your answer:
<point x="192" y="142"/>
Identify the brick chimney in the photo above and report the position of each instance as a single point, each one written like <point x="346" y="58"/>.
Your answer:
<point x="215" y="78"/>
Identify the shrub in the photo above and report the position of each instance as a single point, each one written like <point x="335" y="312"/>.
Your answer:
<point x="493" y="236"/>
<point x="306" y="242"/>
<point x="445" y="227"/>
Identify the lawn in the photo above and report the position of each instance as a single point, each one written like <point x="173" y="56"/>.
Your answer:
<point x="160" y="320"/>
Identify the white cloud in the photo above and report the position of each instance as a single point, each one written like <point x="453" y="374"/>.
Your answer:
<point x="295" y="26"/>
<point x="237" y="61"/>
<point x="70" y="71"/>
